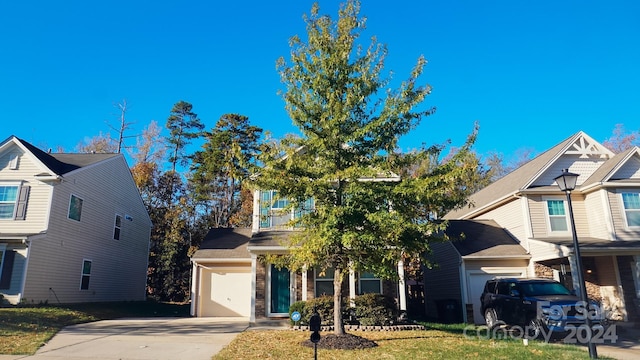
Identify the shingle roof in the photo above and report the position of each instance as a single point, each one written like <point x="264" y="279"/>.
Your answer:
<point x="61" y="164"/>
<point x="517" y="180"/>
<point x="482" y="238"/>
<point x="225" y="243"/>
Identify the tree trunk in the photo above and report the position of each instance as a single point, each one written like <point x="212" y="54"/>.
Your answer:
<point x="338" y="326"/>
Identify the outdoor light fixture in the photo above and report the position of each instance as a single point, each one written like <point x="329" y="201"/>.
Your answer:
<point x="567" y="182"/>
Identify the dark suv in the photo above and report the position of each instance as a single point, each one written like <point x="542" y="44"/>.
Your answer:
<point x="537" y="305"/>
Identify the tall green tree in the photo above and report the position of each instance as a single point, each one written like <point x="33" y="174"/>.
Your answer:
<point x="226" y="160"/>
<point x="365" y="216"/>
<point x="184" y="126"/>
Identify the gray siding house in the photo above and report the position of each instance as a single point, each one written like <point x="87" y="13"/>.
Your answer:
<point x="525" y="230"/>
<point x="73" y="227"/>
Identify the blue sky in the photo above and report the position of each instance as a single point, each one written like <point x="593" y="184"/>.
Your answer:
<point x="531" y="73"/>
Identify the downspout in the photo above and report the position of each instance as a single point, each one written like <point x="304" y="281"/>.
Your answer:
<point x="463" y="288"/>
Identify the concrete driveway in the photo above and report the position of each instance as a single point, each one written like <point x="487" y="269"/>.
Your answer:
<point x="141" y="339"/>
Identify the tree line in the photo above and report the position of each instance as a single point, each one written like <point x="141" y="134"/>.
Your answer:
<point x="350" y="123"/>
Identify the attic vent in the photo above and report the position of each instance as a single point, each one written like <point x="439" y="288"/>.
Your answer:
<point x="13" y="161"/>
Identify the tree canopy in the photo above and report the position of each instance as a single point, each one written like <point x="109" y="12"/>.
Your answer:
<point x="372" y="203"/>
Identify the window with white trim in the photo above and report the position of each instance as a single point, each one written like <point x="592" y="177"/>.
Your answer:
<point x="86" y="274"/>
<point x="324" y="282"/>
<point x="8" y="201"/>
<point x="75" y="208"/>
<point x="631" y="204"/>
<point x="369" y="283"/>
<point x="117" y="227"/>
<point x="557" y="215"/>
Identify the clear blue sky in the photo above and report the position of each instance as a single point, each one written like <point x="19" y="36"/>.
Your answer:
<point x="530" y="72"/>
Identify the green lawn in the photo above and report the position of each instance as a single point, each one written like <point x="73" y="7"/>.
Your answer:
<point x="24" y="329"/>
<point x="437" y="342"/>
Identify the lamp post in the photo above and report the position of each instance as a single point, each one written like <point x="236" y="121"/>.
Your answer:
<point x="567" y="182"/>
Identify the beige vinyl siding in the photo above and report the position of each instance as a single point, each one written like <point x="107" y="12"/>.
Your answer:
<point x="580" y="215"/>
<point x="544" y="251"/>
<point x="617" y="214"/>
<point x="443" y="282"/>
<point x="118" y="266"/>
<point x="510" y="217"/>
<point x="597" y="209"/>
<point x="40" y="193"/>
<point x="540" y="222"/>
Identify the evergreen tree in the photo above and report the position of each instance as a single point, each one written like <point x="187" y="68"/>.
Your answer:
<point x="184" y="125"/>
<point x="219" y="169"/>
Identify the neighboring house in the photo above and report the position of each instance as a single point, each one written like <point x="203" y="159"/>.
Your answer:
<point x="230" y="277"/>
<point x="519" y="227"/>
<point x="73" y="227"/>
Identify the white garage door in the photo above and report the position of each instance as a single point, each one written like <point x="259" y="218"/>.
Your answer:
<point x="475" y="286"/>
<point x="226" y="292"/>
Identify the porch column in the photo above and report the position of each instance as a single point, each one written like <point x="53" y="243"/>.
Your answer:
<point x="254" y="267"/>
<point x="304" y="283"/>
<point x="402" y="288"/>
<point x="574" y="273"/>
<point x="352" y="287"/>
<point x="194" y="285"/>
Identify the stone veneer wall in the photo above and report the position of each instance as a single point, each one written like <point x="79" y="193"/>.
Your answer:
<point x="261" y="288"/>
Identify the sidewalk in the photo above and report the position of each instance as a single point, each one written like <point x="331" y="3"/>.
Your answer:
<point x="626" y="347"/>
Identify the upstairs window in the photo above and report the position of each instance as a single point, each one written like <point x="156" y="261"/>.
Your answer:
<point x="631" y="203"/>
<point x="8" y="200"/>
<point x="557" y="216"/>
<point x="75" y="208"/>
<point x="117" y="227"/>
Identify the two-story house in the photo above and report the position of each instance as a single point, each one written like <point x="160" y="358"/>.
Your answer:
<point x="73" y="227"/>
<point x="230" y="277"/>
<point x="519" y="226"/>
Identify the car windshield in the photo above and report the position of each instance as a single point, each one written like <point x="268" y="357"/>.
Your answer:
<point x="544" y="288"/>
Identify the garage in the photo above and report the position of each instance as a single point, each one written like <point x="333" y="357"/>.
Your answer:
<point x="225" y="291"/>
<point x="475" y="285"/>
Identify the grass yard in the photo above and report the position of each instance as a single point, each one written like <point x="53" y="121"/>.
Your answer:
<point x="441" y="342"/>
<point x="24" y="329"/>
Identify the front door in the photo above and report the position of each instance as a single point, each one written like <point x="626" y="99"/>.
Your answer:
<point x="280" y="290"/>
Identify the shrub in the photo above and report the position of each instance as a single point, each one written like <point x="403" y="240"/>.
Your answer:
<point x="299" y="306"/>
<point x="375" y="309"/>
<point x="323" y="305"/>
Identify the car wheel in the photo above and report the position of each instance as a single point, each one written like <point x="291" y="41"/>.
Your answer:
<point x="491" y="318"/>
<point x="534" y="329"/>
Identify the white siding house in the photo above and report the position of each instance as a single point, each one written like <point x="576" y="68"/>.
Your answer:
<point x="73" y="227"/>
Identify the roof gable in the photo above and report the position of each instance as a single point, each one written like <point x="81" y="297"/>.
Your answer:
<point x="58" y="164"/>
<point x="579" y="153"/>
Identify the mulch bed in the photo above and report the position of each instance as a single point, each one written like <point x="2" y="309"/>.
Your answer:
<point x="342" y="342"/>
